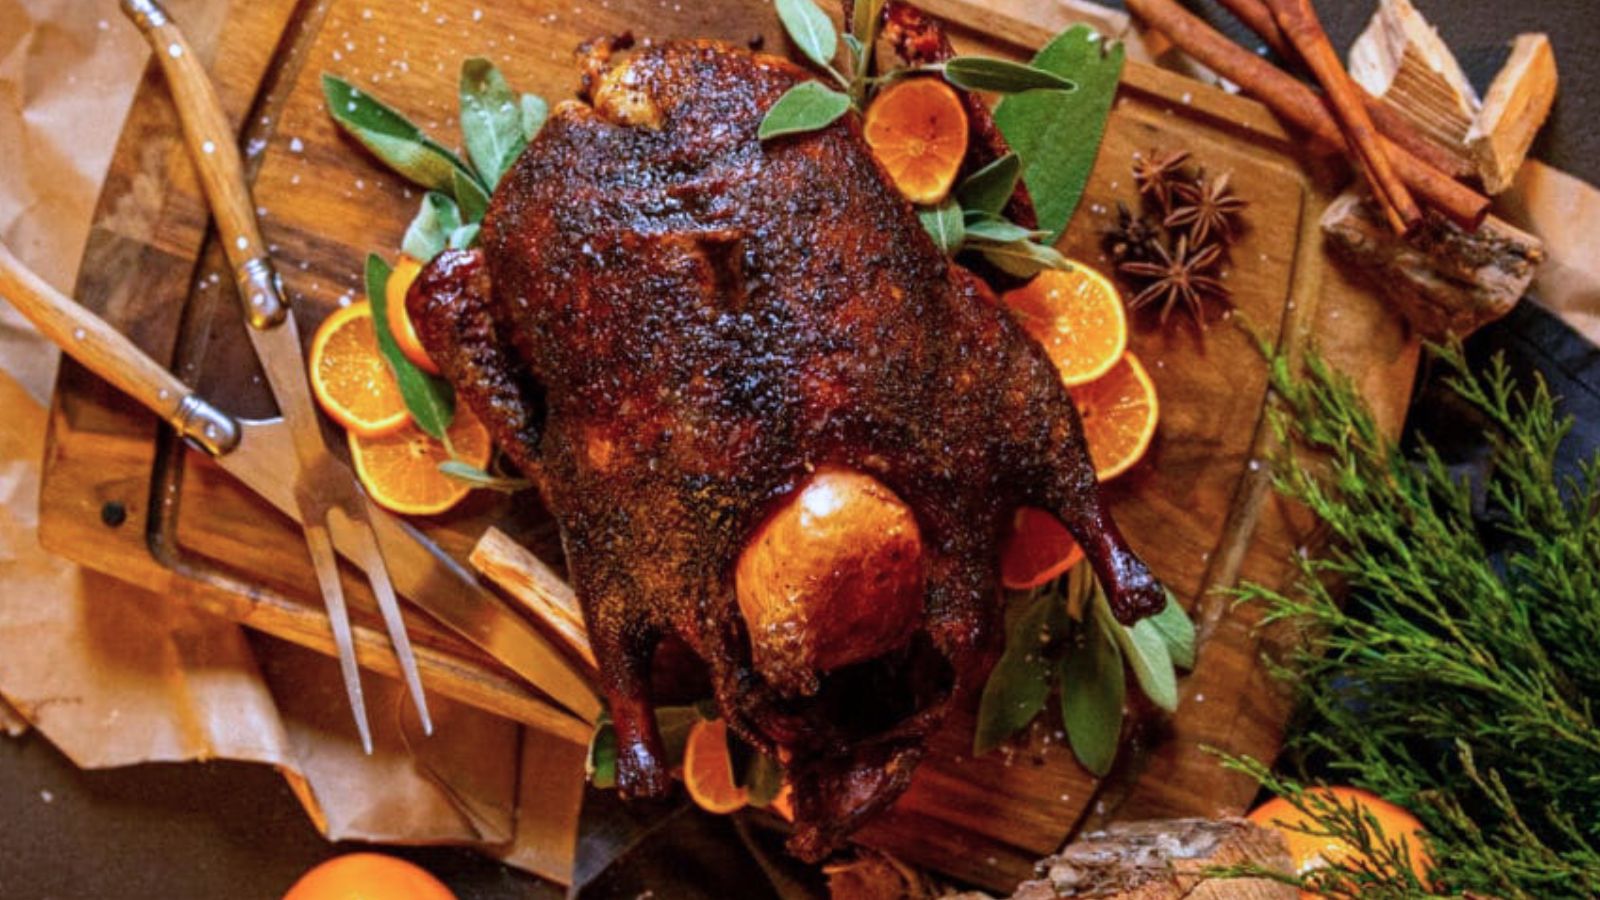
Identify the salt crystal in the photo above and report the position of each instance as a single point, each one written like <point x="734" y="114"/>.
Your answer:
<point x="296" y="145"/>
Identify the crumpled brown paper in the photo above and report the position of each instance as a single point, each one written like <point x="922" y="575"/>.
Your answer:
<point x="114" y="675"/>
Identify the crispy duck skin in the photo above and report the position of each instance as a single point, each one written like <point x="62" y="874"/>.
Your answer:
<point x="670" y="324"/>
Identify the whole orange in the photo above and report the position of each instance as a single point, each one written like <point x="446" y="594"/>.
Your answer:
<point x="1308" y="852"/>
<point x="368" y="876"/>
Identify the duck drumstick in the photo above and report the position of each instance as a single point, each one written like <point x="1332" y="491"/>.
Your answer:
<point x="1301" y="106"/>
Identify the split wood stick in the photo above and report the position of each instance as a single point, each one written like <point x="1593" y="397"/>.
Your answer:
<point x="540" y="589"/>
<point x="1299" y="23"/>
<point x="1258" y="18"/>
<point x="1300" y="105"/>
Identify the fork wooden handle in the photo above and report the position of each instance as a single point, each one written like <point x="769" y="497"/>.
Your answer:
<point x="215" y="151"/>
<point x="86" y="338"/>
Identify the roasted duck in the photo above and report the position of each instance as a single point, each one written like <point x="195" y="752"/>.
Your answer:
<point x="672" y="327"/>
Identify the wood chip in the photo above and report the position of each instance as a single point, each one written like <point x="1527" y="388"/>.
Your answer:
<point x="1516" y="106"/>
<point x="1400" y="59"/>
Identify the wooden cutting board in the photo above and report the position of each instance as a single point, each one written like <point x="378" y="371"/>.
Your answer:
<point x="122" y="496"/>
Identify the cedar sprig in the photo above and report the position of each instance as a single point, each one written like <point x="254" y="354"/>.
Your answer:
<point x="1455" y="679"/>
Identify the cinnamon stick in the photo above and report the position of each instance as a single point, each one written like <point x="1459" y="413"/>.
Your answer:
<point x="1300" y="105"/>
<point x="1299" y="23"/>
<point x="1258" y="18"/>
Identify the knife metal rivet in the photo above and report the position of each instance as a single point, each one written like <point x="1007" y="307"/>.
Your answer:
<point x="113" y="514"/>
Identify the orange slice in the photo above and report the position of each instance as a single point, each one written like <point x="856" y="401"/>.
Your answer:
<point x="1308" y="852"/>
<point x="1038" y="550"/>
<point x="1119" y="413"/>
<point x="405" y="272"/>
<point x="401" y="470"/>
<point x="918" y="130"/>
<point x="708" y="769"/>
<point x="351" y="381"/>
<point x="1077" y="316"/>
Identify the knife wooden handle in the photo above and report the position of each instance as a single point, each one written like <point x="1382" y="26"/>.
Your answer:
<point x="215" y="151"/>
<point x="86" y="338"/>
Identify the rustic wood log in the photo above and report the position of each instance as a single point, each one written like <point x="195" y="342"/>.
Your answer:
<point x="1517" y="104"/>
<point x="1443" y="279"/>
<point x="1162" y="859"/>
<point x="1400" y="59"/>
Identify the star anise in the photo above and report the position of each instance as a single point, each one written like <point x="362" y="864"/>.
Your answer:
<point x="1132" y="238"/>
<point x="1205" y="209"/>
<point x="1178" y="276"/>
<point x="1157" y="173"/>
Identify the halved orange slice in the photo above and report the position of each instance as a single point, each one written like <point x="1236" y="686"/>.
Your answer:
<point x="1038" y="550"/>
<point x="1119" y="413"/>
<point x="352" y="383"/>
<point x="917" y="129"/>
<point x="708" y="769"/>
<point x="401" y="470"/>
<point x="405" y="272"/>
<point x="1077" y="316"/>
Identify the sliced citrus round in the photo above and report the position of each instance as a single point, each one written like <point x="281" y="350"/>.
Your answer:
<point x="1119" y="413"/>
<point x="405" y="272"/>
<point x="1309" y="852"/>
<point x="708" y="769"/>
<point x="1077" y="316"/>
<point x="363" y="876"/>
<point x="917" y="129"/>
<point x="1038" y="550"/>
<point x="401" y="470"/>
<point x="351" y="381"/>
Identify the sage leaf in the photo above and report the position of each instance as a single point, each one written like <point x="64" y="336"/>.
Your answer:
<point x="1093" y="689"/>
<point x="534" y="113"/>
<point x="857" y="51"/>
<point x="1020" y="682"/>
<point x="810" y="29"/>
<point x="431" y="401"/>
<point x="391" y="137"/>
<point x="429" y="232"/>
<point x="1177" y="630"/>
<point x="600" y="763"/>
<point x="1146" y="653"/>
<point x="464" y="237"/>
<point x="989" y="189"/>
<point x="1024" y="259"/>
<point x="674" y="723"/>
<point x="864" y="23"/>
<point x="1057" y="134"/>
<point x="763" y="779"/>
<point x="491" y="119"/>
<point x="995" y="230"/>
<point x="470" y="197"/>
<point x="478" y="478"/>
<point x="944" y="224"/>
<point x="985" y="73"/>
<point x="808" y="106"/>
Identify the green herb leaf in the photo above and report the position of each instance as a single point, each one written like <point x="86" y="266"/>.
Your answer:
<point x="811" y="30"/>
<point x="464" y="237"/>
<point x="984" y="73"/>
<point x="1146" y="653"/>
<point x="1020" y="682"/>
<point x="808" y="106"/>
<point x="390" y="136"/>
<point x="1093" y="689"/>
<point x="429" y="231"/>
<point x="1177" y="630"/>
<point x="763" y="778"/>
<point x="471" y="197"/>
<point x="674" y="723"/>
<point x="478" y="478"/>
<point x="600" y="764"/>
<point x="995" y="230"/>
<point x="1058" y="134"/>
<point x="944" y="224"/>
<point x="534" y="113"/>
<point x="430" y="400"/>
<point x="989" y="189"/>
<point x="491" y="119"/>
<point x="857" y="51"/>
<point x="863" y="37"/>
<point x="1024" y="259"/>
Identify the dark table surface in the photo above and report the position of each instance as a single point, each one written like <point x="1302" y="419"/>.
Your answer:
<point x="234" y="830"/>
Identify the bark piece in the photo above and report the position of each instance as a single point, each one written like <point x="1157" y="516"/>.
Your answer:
<point x="540" y="589"/>
<point x="1443" y="279"/>
<point x="1516" y="106"/>
<point x="1400" y="59"/>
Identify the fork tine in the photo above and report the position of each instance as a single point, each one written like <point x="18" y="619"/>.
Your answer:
<point x="378" y="575"/>
<point x="327" y="566"/>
